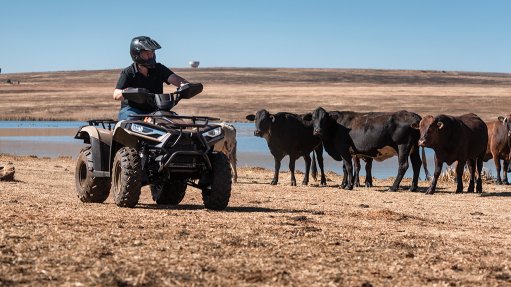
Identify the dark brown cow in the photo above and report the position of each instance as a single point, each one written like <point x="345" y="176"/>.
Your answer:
<point x="370" y="135"/>
<point x="499" y="141"/>
<point x="460" y="139"/>
<point x="288" y="134"/>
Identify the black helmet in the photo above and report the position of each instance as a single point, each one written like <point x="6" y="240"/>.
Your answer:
<point x="143" y="43"/>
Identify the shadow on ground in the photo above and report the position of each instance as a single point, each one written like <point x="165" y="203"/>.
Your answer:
<point x="247" y="209"/>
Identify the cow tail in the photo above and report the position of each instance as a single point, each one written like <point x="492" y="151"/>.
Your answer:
<point x="425" y="164"/>
<point x="314" y="169"/>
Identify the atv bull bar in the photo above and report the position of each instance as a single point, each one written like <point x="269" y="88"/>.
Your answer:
<point x="168" y="162"/>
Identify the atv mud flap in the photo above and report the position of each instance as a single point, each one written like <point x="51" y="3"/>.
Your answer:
<point x="173" y="163"/>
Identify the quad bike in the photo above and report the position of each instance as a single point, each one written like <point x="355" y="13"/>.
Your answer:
<point x="167" y="151"/>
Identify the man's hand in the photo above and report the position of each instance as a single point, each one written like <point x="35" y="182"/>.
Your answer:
<point x="118" y="95"/>
<point x="176" y="80"/>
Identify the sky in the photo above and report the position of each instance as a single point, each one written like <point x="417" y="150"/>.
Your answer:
<point x="451" y="35"/>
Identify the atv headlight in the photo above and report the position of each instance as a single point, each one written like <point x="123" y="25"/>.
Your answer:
<point x="211" y="134"/>
<point x="147" y="130"/>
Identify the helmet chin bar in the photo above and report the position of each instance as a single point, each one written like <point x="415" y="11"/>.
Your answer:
<point x="150" y="63"/>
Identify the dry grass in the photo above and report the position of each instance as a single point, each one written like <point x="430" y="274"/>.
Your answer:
<point x="269" y="235"/>
<point x="449" y="175"/>
<point x="231" y="94"/>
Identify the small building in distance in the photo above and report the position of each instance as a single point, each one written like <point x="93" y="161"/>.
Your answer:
<point x="194" y="64"/>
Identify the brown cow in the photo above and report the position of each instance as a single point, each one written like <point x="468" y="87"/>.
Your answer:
<point x="228" y="147"/>
<point x="460" y="139"/>
<point x="499" y="141"/>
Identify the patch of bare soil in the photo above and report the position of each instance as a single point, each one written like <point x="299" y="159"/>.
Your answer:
<point x="268" y="236"/>
<point x="231" y="93"/>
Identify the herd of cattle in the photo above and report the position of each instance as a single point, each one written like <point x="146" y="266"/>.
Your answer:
<point x="349" y="136"/>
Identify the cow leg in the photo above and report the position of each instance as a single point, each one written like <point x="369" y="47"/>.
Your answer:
<point x="479" y="163"/>
<point x="319" y="156"/>
<point x="403" y="152"/>
<point x="234" y="171"/>
<point x="356" y="165"/>
<point x="344" y="181"/>
<point x="277" y="160"/>
<point x="233" y="164"/>
<point x="416" y="166"/>
<point x="472" y="169"/>
<point x="292" y="161"/>
<point x="505" y="166"/>
<point x="346" y="157"/>
<point x="438" y="170"/>
<point x="496" y="160"/>
<point x="459" y="175"/>
<point x="307" y="159"/>
<point x="369" y="175"/>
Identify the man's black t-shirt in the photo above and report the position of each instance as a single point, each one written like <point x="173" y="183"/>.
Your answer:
<point x="131" y="78"/>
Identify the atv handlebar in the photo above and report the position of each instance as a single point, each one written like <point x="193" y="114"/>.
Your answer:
<point x="162" y="101"/>
<point x="188" y="91"/>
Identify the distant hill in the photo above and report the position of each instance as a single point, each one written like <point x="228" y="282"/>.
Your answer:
<point x="286" y="75"/>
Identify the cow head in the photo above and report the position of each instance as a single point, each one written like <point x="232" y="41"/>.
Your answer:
<point x="430" y="129"/>
<point x="263" y="120"/>
<point x="506" y="121"/>
<point x="319" y="121"/>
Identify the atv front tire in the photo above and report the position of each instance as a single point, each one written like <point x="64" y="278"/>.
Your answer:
<point x="88" y="187"/>
<point x="169" y="192"/>
<point x="126" y="177"/>
<point x="216" y="196"/>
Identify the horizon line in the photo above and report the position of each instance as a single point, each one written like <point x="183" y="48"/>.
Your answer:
<point x="268" y="68"/>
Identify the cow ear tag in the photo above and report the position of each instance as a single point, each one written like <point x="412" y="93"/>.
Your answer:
<point x="440" y="125"/>
<point x="272" y="119"/>
<point x="501" y="119"/>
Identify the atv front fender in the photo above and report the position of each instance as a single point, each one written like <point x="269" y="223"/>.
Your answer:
<point x="100" y="141"/>
<point x="124" y="138"/>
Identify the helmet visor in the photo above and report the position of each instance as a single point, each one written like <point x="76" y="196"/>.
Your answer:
<point x="148" y="44"/>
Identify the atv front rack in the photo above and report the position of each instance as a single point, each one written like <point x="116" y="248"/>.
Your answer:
<point x="104" y="123"/>
<point x="197" y="121"/>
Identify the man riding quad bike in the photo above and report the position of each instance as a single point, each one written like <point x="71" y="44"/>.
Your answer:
<point x="167" y="151"/>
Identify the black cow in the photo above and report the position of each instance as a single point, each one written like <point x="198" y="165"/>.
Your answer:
<point x="499" y="143"/>
<point x="372" y="135"/>
<point x="288" y="134"/>
<point x="460" y="139"/>
<point x="345" y="118"/>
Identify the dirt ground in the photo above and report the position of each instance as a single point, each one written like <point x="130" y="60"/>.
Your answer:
<point x="268" y="236"/>
<point x="231" y="94"/>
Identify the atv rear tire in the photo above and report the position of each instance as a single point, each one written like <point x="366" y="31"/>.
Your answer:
<point x="126" y="177"/>
<point x="169" y="192"/>
<point x="216" y="196"/>
<point x="88" y="187"/>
